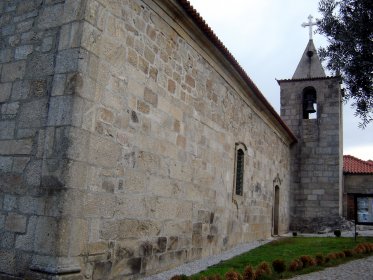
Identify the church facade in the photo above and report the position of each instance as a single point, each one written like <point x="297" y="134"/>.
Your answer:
<point x="132" y="141"/>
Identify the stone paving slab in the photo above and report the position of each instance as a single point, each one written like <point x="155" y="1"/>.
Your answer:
<point x="358" y="269"/>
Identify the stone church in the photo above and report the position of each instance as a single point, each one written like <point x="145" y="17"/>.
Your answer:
<point x="131" y="141"/>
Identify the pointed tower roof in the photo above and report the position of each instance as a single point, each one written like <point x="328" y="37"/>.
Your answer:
<point x="310" y="65"/>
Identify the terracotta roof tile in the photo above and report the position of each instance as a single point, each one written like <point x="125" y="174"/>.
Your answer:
<point x="353" y="165"/>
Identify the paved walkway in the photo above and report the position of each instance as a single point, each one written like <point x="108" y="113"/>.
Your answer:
<point x="355" y="270"/>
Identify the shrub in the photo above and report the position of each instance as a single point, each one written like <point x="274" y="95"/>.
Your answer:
<point x="360" y="249"/>
<point x="279" y="265"/>
<point x="337" y="233"/>
<point x="232" y="275"/>
<point x="320" y="259"/>
<point x="348" y="253"/>
<point x="259" y="273"/>
<point x="213" y="277"/>
<point x="331" y="256"/>
<point x="307" y="261"/>
<point x="266" y="267"/>
<point x="340" y="255"/>
<point x="249" y="273"/>
<point x="179" y="277"/>
<point x="294" y="265"/>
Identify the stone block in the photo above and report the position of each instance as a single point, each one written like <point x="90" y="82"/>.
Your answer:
<point x="91" y="39"/>
<point x="70" y="35"/>
<point x="103" y="152"/>
<point x="15" y="147"/>
<point x="5" y="90"/>
<point x="58" y="87"/>
<point x="29" y="117"/>
<point x="46" y="233"/>
<point x="20" y="90"/>
<point x="7" y="240"/>
<point x="67" y="60"/>
<point x="8" y="261"/>
<point x="26" y="241"/>
<point x="99" y="205"/>
<point x="23" y="51"/>
<point x="38" y="88"/>
<point x="6" y="164"/>
<point x="31" y="205"/>
<point x="164" y="208"/>
<point x="40" y="65"/>
<point x="150" y="97"/>
<point x="60" y="108"/>
<point x="50" y="16"/>
<point x="16" y="223"/>
<point x="13" y="71"/>
<point x="130" y="207"/>
<point x="138" y="228"/>
<point x="6" y="55"/>
<point x="10" y="108"/>
<point x="10" y="203"/>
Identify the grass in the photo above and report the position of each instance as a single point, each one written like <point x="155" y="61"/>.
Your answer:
<point x="288" y="249"/>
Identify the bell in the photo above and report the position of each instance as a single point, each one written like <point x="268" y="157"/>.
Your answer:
<point x="309" y="108"/>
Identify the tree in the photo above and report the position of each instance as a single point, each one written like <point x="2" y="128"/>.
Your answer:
<point x="348" y="27"/>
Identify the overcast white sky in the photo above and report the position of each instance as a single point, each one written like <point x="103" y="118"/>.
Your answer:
<point x="266" y="38"/>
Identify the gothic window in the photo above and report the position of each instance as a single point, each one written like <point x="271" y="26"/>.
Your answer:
<point x="239" y="168"/>
<point x="309" y="103"/>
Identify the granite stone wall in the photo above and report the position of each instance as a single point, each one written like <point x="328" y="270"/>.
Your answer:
<point x="119" y="121"/>
<point x="317" y="157"/>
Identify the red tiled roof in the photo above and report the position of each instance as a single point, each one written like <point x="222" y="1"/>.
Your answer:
<point x="200" y="22"/>
<point x="353" y="165"/>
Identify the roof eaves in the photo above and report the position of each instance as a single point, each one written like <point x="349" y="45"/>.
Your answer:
<point x="216" y="41"/>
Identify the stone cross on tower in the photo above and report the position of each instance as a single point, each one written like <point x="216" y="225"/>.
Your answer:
<point x="310" y="24"/>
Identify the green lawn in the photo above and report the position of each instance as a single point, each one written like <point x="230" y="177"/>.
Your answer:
<point x="288" y="249"/>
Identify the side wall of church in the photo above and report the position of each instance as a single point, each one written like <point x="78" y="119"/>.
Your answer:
<point x="317" y="158"/>
<point x="131" y="142"/>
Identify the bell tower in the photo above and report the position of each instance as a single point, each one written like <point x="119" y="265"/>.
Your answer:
<point x="312" y="108"/>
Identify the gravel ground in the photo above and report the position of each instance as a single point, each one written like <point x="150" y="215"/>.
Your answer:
<point x="358" y="269"/>
<point x="196" y="266"/>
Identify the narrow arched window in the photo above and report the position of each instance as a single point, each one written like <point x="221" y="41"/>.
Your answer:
<point x="240" y="159"/>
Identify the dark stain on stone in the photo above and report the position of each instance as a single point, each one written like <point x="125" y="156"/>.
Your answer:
<point x="124" y="253"/>
<point x="214" y="229"/>
<point x="172" y="243"/>
<point x="212" y="215"/>
<point x="146" y="249"/>
<point x="225" y="240"/>
<point x="162" y="244"/>
<point x="210" y="238"/>
<point x="120" y="184"/>
<point x="74" y="84"/>
<point x="52" y="183"/>
<point x="108" y="186"/>
<point x="101" y="270"/>
<point x="134" y="117"/>
<point x="197" y="228"/>
<point x="258" y="189"/>
<point x="39" y="88"/>
<point x="135" y="265"/>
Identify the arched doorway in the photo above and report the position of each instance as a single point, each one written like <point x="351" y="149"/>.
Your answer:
<point x="276" y="210"/>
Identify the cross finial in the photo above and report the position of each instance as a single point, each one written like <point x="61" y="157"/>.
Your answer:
<point x="310" y="24"/>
